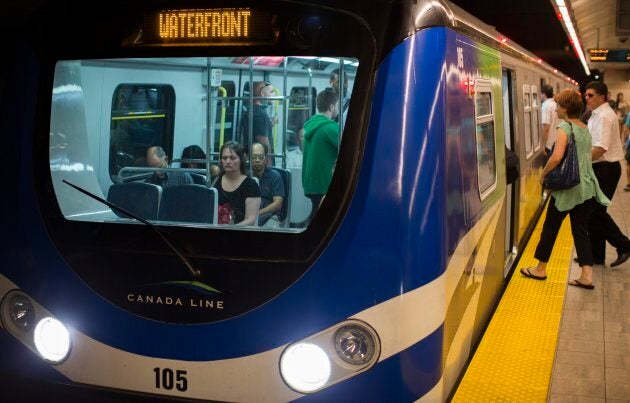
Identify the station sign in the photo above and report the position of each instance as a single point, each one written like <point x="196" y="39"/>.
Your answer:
<point x="609" y="55"/>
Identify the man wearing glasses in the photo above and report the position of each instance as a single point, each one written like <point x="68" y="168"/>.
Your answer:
<point x="271" y="188"/>
<point x="606" y="154"/>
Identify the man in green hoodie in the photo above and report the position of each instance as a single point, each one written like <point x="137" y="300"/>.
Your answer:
<point x="321" y="146"/>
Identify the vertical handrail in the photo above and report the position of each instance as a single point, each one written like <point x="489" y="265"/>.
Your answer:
<point x="250" y="115"/>
<point x="285" y="112"/>
<point x="209" y="120"/>
<point x="274" y="130"/>
<point x="223" y="92"/>
<point x="342" y="95"/>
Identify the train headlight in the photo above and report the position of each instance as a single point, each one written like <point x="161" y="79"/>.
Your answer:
<point x="21" y="312"/>
<point x="305" y="367"/>
<point x="355" y="344"/>
<point x="52" y="339"/>
<point x="330" y="356"/>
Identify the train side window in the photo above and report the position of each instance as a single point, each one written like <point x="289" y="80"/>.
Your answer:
<point x="535" y="113"/>
<point x="485" y="138"/>
<point x="527" y="108"/>
<point x="301" y="106"/>
<point x="142" y="116"/>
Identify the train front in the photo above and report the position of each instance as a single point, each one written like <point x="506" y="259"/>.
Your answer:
<point x="346" y="305"/>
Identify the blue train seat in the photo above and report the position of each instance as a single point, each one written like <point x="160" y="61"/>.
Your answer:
<point x="189" y="203"/>
<point x="142" y="199"/>
<point x="198" y="179"/>
<point x="285" y="211"/>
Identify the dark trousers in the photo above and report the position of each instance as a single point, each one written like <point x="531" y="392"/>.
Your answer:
<point x="579" y="228"/>
<point x="315" y="201"/>
<point x="601" y="227"/>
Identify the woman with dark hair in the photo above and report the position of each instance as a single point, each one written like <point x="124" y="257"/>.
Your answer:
<point x="194" y="152"/>
<point x="239" y="195"/>
<point x="578" y="202"/>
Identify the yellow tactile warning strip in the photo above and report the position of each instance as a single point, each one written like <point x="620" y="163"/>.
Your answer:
<point x="514" y="360"/>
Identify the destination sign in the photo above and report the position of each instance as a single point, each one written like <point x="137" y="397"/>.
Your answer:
<point x="222" y="26"/>
<point x="609" y="55"/>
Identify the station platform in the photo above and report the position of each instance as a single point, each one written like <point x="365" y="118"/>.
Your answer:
<point x="551" y="342"/>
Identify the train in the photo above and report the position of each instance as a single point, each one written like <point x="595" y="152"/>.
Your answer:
<point x="381" y="296"/>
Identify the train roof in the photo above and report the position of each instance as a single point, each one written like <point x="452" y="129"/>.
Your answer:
<point x="409" y="16"/>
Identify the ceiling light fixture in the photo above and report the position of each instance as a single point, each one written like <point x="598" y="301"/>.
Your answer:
<point x="565" y="12"/>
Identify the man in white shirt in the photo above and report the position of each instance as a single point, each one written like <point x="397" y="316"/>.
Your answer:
<point x="549" y="119"/>
<point x="606" y="153"/>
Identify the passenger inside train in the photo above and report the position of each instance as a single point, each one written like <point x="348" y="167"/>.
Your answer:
<point x="156" y="158"/>
<point x="239" y="195"/>
<point x="271" y="188"/>
<point x="166" y="108"/>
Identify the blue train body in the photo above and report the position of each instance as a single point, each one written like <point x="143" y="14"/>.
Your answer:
<point x="418" y="253"/>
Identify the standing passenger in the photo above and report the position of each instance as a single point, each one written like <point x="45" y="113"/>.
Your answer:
<point x="262" y="124"/>
<point x="343" y="94"/>
<point x="607" y="152"/>
<point x="321" y="146"/>
<point x="625" y="135"/>
<point x="578" y="202"/>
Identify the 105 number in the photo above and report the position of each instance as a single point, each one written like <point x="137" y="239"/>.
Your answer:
<point x="166" y="378"/>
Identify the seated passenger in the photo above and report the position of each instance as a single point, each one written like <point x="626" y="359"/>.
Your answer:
<point x="271" y="188"/>
<point x="156" y="158"/>
<point x="239" y="196"/>
<point x="194" y="152"/>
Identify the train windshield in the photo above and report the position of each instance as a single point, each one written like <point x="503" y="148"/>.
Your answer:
<point x="243" y="142"/>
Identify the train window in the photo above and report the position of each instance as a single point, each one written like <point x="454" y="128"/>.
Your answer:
<point x="142" y="116"/>
<point x="534" y="114"/>
<point x="178" y="102"/>
<point x="527" y="108"/>
<point x="485" y="139"/>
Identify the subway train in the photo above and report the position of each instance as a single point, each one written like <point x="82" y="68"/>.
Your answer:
<point x="113" y="291"/>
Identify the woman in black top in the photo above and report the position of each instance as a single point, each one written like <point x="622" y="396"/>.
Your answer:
<point x="239" y="196"/>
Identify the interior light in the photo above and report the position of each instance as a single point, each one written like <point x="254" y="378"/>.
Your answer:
<point x="52" y="339"/>
<point x="305" y="367"/>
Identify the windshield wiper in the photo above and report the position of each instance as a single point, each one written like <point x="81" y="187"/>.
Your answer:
<point x="195" y="273"/>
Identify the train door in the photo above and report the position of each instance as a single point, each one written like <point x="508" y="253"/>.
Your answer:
<point x="511" y="203"/>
